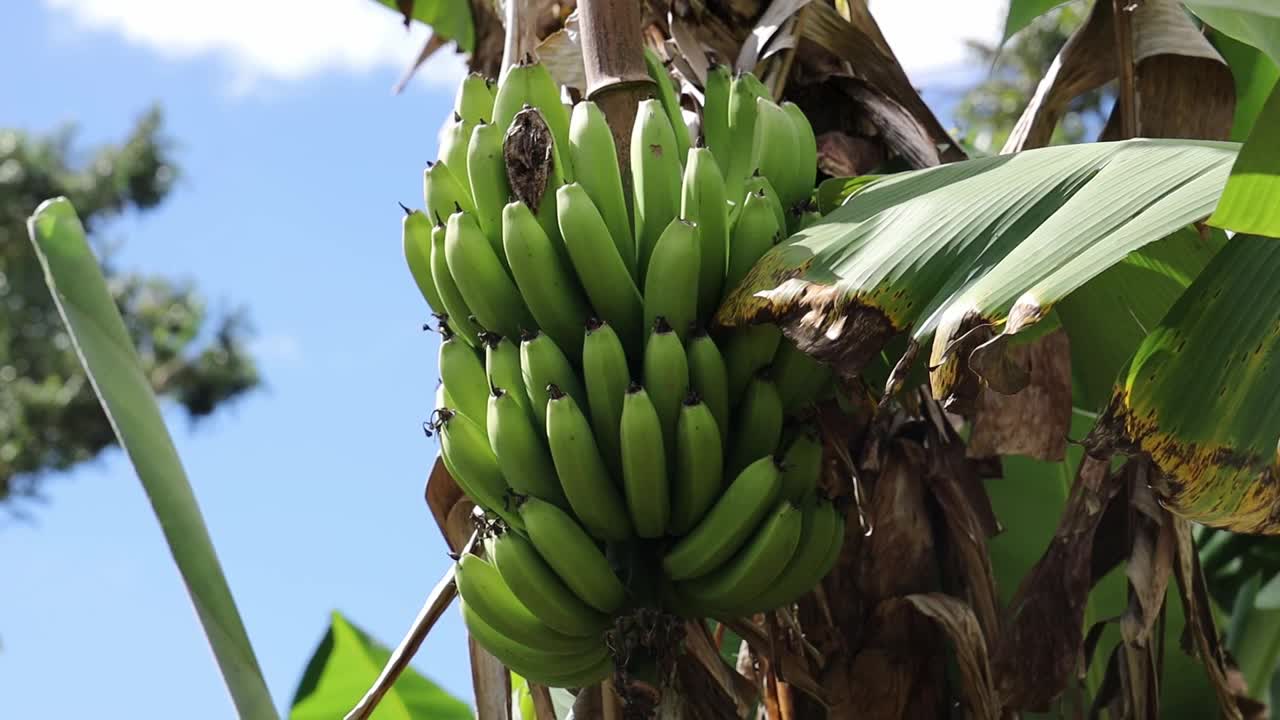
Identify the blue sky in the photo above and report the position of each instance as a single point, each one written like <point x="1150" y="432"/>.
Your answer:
<point x="294" y="155"/>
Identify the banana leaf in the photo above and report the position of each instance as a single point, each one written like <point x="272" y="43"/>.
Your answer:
<point x="111" y="362"/>
<point x="1200" y="396"/>
<point x="1249" y="204"/>
<point x="1023" y="12"/>
<point x="450" y="19"/>
<point x="1256" y="22"/>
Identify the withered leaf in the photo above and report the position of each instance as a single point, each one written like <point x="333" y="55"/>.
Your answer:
<point x="529" y="155"/>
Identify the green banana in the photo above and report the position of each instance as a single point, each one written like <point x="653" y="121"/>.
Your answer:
<point x="837" y="545"/>
<point x="728" y="524"/>
<point x="702" y="201"/>
<point x="800" y="378"/>
<point x="743" y="93"/>
<point x="606" y="376"/>
<point x="538" y="587"/>
<point x="669" y="98"/>
<point x="805" y="163"/>
<point x="474" y="101"/>
<point x="708" y="377"/>
<point x="802" y="465"/>
<point x="644" y="464"/>
<point x="442" y="191"/>
<point x="502" y="367"/>
<point x="535" y="664"/>
<point x="481" y="586"/>
<point x="545" y="281"/>
<point x="655" y="179"/>
<point x="531" y="84"/>
<point x="759" y="425"/>
<point x="600" y="268"/>
<point x="715" y="113"/>
<point x="416" y="238"/>
<point x="666" y="376"/>
<point x="571" y="552"/>
<point x="752" y="571"/>
<point x="592" y="493"/>
<point x="671" y="285"/>
<point x="455" y="141"/>
<point x="760" y="184"/>
<point x="487" y="288"/>
<point x="699" y="465"/>
<point x="456" y="311"/>
<point x="777" y="148"/>
<point x="463" y="374"/>
<point x="755" y="231"/>
<point x="472" y="464"/>
<point x="542" y="363"/>
<point x="748" y="350"/>
<point x="594" y="157"/>
<point x="520" y="449"/>
<point x="442" y="397"/>
<point x="487" y="171"/>
<point x="806" y="567"/>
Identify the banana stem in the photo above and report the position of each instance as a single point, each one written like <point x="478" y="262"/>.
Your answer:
<point x="613" y="55"/>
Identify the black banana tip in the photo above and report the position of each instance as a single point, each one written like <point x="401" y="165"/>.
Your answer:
<point x="431" y="164"/>
<point x="554" y="392"/>
<point x="439" y="222"/>
<point x="405" y="208"/>
<point x="634" y="388"/>
<point x="456" y="116"/>
<point x="700" y="141"/>
<point x="697" y="331"/>
<point x="529" y="335"/>
<point x="756" y="173"/>
<point x="594" y="324"/>
<point x="489" y="338"/>
<point x="693" y="398"/>
<point x="660" y="324"/>
<point x="761" y="193"/>
<point x="442" y="326"/>
<point x="497" y="391"/>
<point x="457" y="207"/>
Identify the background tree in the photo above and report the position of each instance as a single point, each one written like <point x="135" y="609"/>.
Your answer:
<point x="49" y="417"/>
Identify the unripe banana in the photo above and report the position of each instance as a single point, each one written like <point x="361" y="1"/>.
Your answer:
<point x="837" y="545"/>
<point x="487" y="288"/>
<point x="442" y="397"/>
<point x="463" y="374"/>
<point x="534" y="664"/>
<point x="416" y="238"/>
<point x="574" y="556"/>
<point x="799" y="376"/>
<point x="671" y="285"/>
<point x="743" y="92"/>
<point x="806" y="567"/>
<point x="702" y="201"/>
<point x="699" y="466"/>
<point x="545" y="281"/>
<point x="762" y="559"/>
<point x="455" y="140"/>
<point x="502" y="368"/>
<point x="595" y="165"/>
<point x="531" y="84"/>
<point x="802" y="465"/>
<point x="666" y="377"/>
<point x="487" y="171"/>
<point x="644" y="464"/>
<point x="542" y="363"/>
<point x="592" y="494"/>
<point x="600" y="268"/>
<point x="748" y="350"/>
<point x="442" y="192"/>
<point x="731" y="520"/>
<point x="709" y="378"/>
<point x="778" y="153"/>
<point x="805" y="163"/>
<point x="655" y="179"/>
<point x="606" y="376"/>
<point x="669" y="98"/>
<point x="755" y="231"/>
<point x="760" y="184"/>
<point x="482" y="587"/>
<point x="474" y="101"/>
<point x="715" y="113"/>
<point x="538" y="587"/>
<point x="456" y="311"/>
<point x="759" y="425"/>
<point x="520" y="449"/>
<point x="472" y="464"/>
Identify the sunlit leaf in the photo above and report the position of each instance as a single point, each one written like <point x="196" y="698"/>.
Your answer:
<point x="1256" y="22"/>
<point x="1255" y="75"/>
<point x="345" y="665"/>
<point x="1251" y="202"/>
<point x="450" y="19"/>
<point x="113" y="367"/>
<point x="833" y="192"/>
<point x="1023" y="12"/>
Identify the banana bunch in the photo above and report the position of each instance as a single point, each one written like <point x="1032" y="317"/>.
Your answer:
<point x="630" y="455"/>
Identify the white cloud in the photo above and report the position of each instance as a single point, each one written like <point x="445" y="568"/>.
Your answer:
<point x="281" y="40"/>
<point x="928" y="36"/>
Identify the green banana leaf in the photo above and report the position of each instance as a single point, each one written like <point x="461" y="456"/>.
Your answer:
<point x="345" y="665"/>
<point x="1023" y="12"/>
<point x="1251" y="202"/>
<point x="1256" y="22"/>
<point x="1200" y="395"/>
<point x="982" y="244"/>
<point x="450" y="19"/>
<point x="111" y="362"/>
<point x="1254" y="73"/>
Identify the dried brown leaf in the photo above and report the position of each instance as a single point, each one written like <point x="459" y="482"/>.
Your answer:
<point x="766" y="28"/>
<point x="1035" y="420"/>
<point x="957" y="620"/>
<point x="561" y="52"/>
<point x="1200" y="632"/>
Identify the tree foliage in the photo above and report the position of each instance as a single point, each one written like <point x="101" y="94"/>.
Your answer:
<point x="49" y="417"/>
